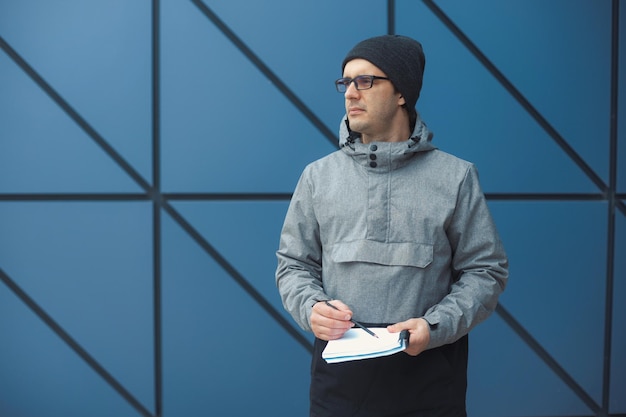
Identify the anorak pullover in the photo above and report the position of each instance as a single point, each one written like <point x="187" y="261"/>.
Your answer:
<point x="395" y="231"/>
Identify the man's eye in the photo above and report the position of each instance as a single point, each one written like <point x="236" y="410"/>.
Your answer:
<point x="363" y="81"/>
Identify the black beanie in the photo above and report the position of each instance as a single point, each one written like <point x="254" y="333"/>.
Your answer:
<point x="399" y="57"/>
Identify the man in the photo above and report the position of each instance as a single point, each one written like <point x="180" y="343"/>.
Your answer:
<point x="395" y="233"/>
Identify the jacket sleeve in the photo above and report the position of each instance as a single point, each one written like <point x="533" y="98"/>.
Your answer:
<point x="479" y="264"/>
<point x="299" y="270"/>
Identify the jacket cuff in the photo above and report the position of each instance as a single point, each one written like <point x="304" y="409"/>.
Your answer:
<point x="437" y="332"/>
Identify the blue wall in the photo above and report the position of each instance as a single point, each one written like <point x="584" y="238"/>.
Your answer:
<point x="147" y="155"/>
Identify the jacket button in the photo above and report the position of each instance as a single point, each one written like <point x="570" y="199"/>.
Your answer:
<point x="373" y="156"/>
<point x="373" y="164"/>
<point x="373" y="148"/>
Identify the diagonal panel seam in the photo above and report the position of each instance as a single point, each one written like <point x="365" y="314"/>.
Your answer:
<point x="547" y="358"/>
<point x="265" y="70"/>
<point x="235" y="275"/>
<point x="73" y="344"/>
<point x="532" y="111"/>
<point x="73" y="114"/>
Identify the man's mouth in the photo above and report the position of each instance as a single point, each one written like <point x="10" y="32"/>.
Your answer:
<point x="353" y="111"/>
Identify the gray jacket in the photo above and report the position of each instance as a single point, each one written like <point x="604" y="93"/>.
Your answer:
<point x="395" y="231"/>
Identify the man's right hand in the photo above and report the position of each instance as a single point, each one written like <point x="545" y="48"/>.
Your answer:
<point x="328" y="323"/>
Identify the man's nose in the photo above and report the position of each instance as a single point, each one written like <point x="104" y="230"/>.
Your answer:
<point x="351" y="90"/>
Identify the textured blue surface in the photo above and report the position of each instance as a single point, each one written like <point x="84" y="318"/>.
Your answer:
<point x="76" y="144"/>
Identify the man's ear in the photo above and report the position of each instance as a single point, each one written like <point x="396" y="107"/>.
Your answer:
<point x="401" y="100"/>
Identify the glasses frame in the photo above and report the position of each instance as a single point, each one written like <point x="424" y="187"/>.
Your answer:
<point x="342" y="84"/>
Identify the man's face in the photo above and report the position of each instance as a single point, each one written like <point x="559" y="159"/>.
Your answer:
<point x="377" y="112"/>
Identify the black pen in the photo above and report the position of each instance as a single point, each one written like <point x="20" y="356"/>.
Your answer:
<point x="356" y="323"/>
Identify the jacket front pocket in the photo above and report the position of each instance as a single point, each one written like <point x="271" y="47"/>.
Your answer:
<point x="418" y="255"/>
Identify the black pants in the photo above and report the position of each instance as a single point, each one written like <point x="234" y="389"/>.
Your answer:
<point x="432" y="384"/>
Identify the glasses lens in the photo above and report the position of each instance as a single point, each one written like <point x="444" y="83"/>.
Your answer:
<point x="342" y="84"/>
<point x="363" y="82"/>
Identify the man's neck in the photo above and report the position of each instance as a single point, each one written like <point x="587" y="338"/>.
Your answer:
<point x="391" y="136"/>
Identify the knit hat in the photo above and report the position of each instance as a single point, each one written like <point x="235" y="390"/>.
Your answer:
<point x="399" y="57"/>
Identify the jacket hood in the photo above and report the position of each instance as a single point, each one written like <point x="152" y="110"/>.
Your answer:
<point x="420" y="141"/>
<point x="421" y="137"/>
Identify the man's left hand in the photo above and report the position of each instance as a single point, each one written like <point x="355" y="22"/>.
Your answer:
<point x="419" y="331"/>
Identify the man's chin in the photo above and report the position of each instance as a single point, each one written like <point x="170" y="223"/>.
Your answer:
<point x="355" y="126"/>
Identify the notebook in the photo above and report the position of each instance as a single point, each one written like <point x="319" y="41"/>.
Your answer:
<point x="357" y="344"/>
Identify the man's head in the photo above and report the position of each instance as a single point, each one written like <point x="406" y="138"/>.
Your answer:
<point x="400" y="58"/>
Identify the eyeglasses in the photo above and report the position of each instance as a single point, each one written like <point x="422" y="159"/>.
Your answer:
<point x="361" y="82"/>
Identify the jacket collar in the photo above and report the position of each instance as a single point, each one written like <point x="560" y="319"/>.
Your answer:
<point x="385" y="155"/>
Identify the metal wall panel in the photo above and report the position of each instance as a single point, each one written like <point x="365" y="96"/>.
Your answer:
<point x="148" y="150"/>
